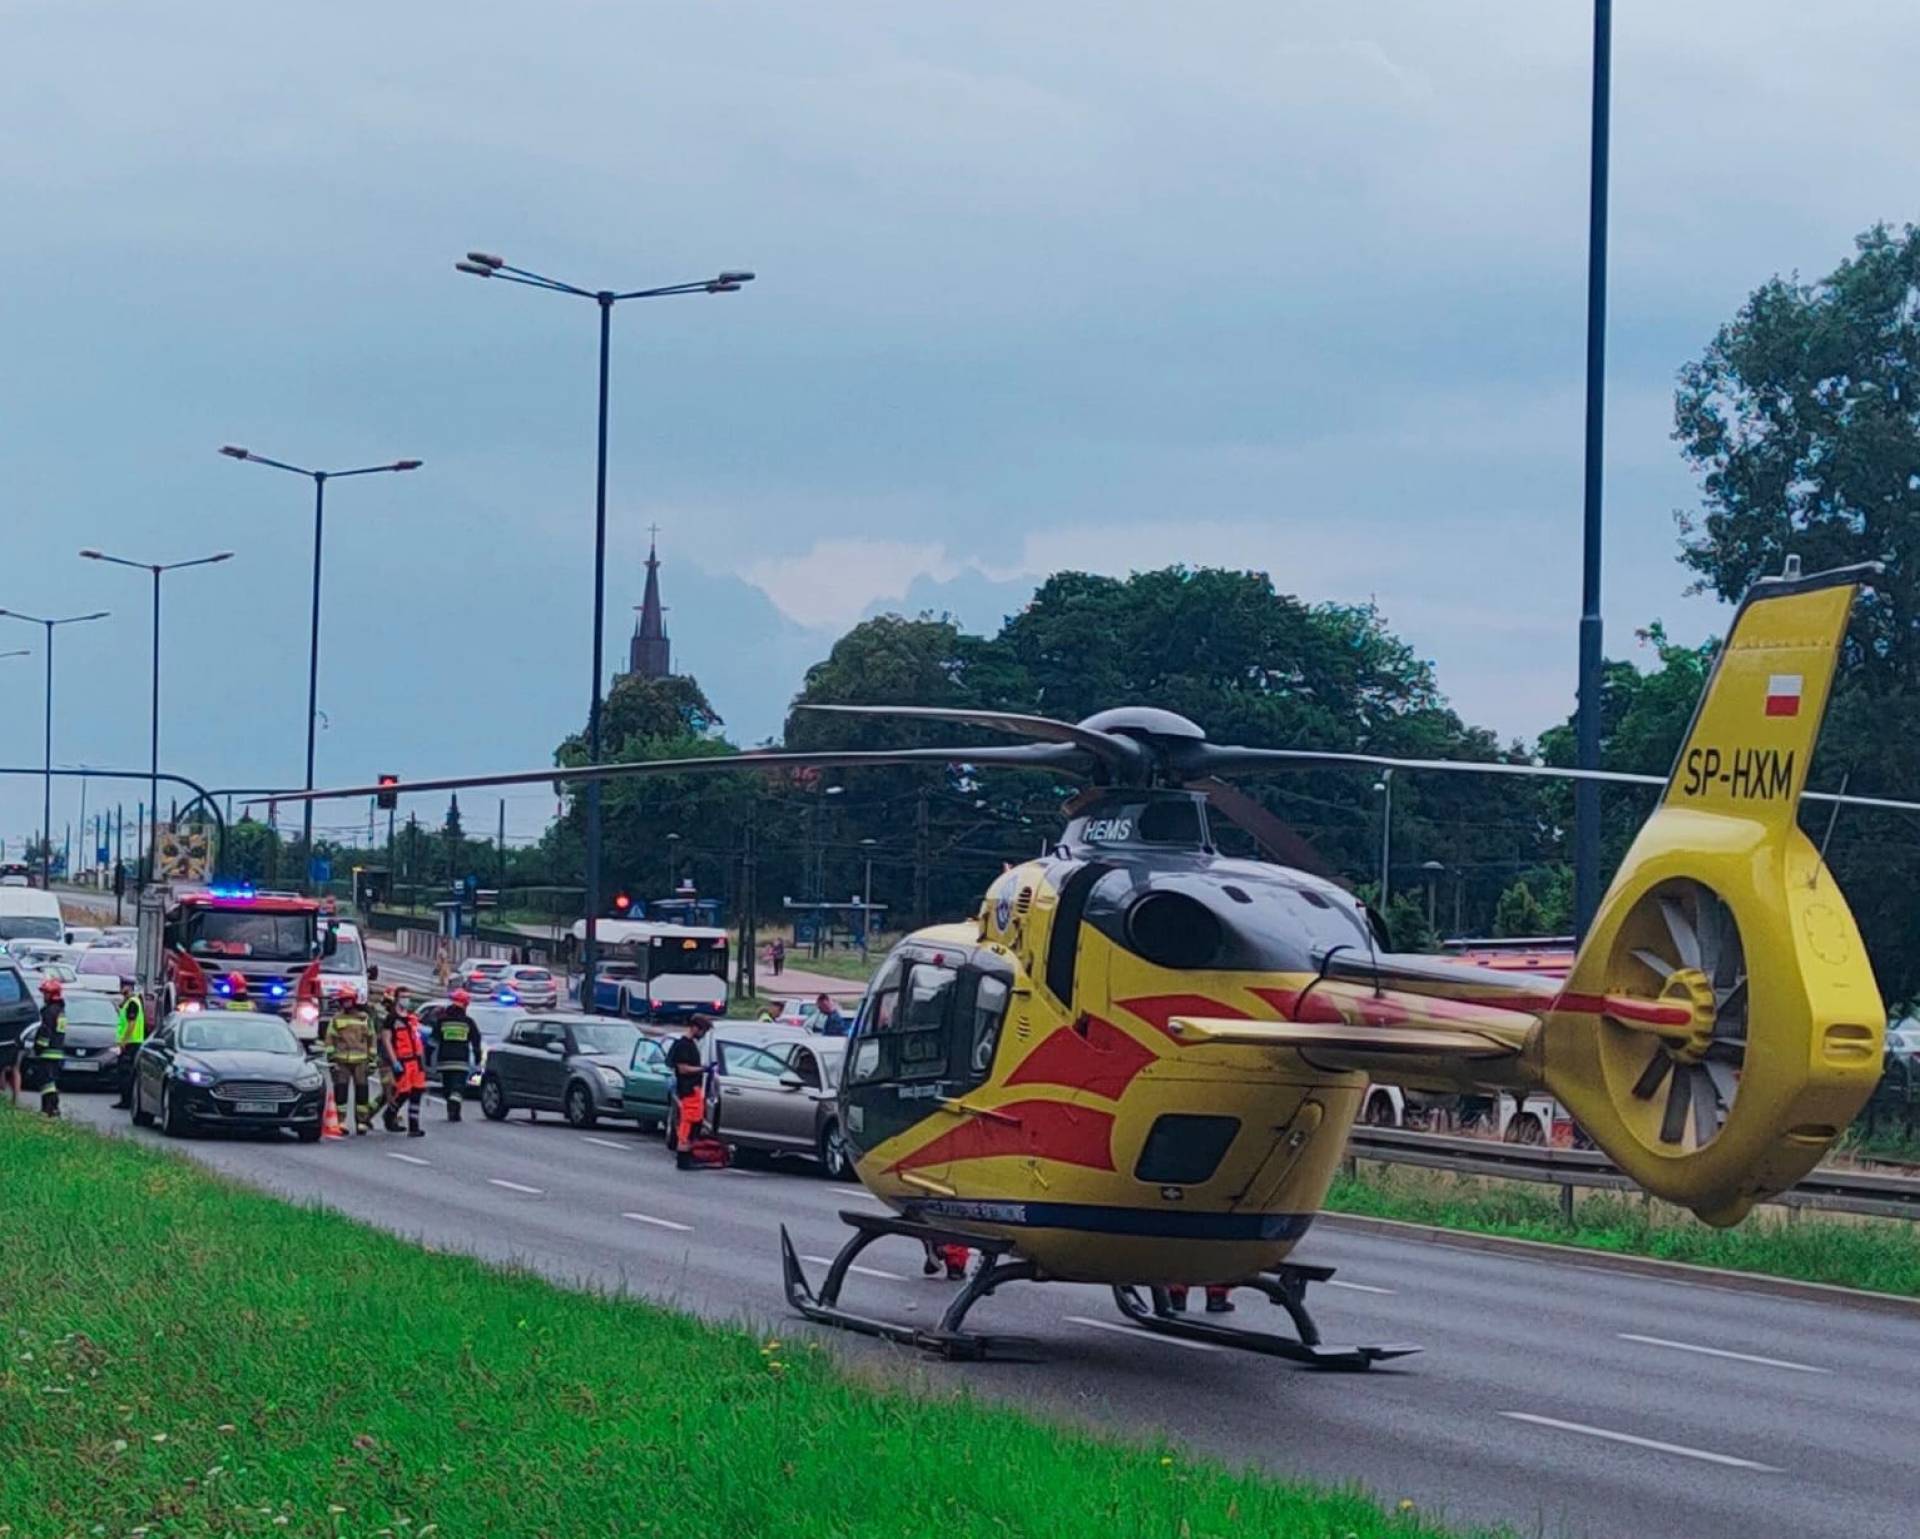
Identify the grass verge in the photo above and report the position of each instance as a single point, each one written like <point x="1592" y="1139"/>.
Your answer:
<point x="183" y="1356"/>
<point x="1883" y="1255"/>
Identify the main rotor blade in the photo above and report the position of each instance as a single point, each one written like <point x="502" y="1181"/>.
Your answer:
<point x="1047" y="756"/>
<point x="1193" y="760"/>
<point x="1116" y="752"/>
<point x="1274" y="835"/>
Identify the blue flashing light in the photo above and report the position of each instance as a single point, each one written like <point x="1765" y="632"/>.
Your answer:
<point x="276" y="989"/>
<point x="245" y="890"/>
<point x="220" y="986"/>
<point x="506" y="997"/>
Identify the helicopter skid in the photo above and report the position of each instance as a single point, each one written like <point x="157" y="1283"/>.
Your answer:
<point x="1286" y="1286"/>
<point x="948" y="1339"/>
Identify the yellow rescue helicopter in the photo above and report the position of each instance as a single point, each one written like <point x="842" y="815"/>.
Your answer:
<point x="1137" y="1064"/>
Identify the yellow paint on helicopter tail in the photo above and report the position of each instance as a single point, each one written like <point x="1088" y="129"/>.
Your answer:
<point x="1745" y="1095"/>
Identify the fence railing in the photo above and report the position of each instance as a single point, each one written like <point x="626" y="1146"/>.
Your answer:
<point x="1878" y="1194"/>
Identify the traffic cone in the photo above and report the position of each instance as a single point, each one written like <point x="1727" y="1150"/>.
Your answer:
<point x="330" y="1123"/>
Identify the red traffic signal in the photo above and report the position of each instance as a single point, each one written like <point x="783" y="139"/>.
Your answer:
<point x="622" y="903"/>
<point x="387" y="800"/>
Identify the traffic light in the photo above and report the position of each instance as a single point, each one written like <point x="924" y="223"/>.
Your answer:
<point x="387" y="800"/>
<point x="622" y="905"/>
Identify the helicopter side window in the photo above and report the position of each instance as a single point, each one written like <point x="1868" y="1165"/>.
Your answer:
<point x="989" y="1010"/>
<point x="922" y="1027"/>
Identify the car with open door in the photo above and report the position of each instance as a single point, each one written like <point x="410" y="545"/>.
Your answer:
<point x="564" y="1062"/>
<point x="776" y="1094"/>
<point x="232" y="1069"/>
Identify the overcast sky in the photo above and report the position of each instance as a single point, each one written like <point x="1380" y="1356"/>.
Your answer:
<point x="1289" y="286"/>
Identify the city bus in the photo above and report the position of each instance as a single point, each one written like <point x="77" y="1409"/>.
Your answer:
<point x="650" y="971"/>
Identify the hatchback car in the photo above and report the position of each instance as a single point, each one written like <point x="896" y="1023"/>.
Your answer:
<point x="566" y="1062"/>
<point x="227" y="1069"/>
<point x="775" y="1094"/>
<point x="480" y="976"/>
<point x="534" y="987"/>
<point x="92" y="1052"/>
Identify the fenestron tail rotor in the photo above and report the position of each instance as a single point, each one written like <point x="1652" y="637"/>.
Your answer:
<point x="1690" y="969"/>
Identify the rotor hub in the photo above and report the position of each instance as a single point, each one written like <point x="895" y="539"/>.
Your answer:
<point x="1691" y="987"/>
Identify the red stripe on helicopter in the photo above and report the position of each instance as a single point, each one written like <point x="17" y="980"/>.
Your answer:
<point x="1157" y="1009"/>
<point x="1091" y="1055"/>
<point x="1648" y="1012"/>
<point x="1047" y="1130"/>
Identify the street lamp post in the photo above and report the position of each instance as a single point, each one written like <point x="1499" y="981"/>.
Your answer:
<point x="481" y="264"/>
<point x="866" y="897"/>
<point x="320" y="478"/>
<point x="46" y="800"/>
<point x="1384" y="785"/>
<point x="1435" y="870"/>
<point x="158" y="569"/>
<point x="673" y="852"/>
<point x="1586" y="793"/>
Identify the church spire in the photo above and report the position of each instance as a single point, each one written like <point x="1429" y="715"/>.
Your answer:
<point x="650" y="653"/>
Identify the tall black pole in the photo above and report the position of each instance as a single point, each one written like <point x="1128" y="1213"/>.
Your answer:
<point x="313" y="681"/>
<point x="591" y="952"/>
<point x="153" y="736"/>
<point x="1586" y="794"/>
<point x="46" y="798"/>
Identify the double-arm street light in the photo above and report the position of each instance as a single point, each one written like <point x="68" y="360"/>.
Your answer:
<point x="158" y="568"/>
<point x="46" y="801"/>
<point x="320" y="478"/>
<point x="482" y="265"/>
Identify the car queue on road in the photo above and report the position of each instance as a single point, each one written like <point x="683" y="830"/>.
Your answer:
<point x="770" y="1087"/>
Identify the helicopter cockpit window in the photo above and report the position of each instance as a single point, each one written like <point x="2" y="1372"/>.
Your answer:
<point x="922" y="1028"/>
<point x="873" y="1055"/>
<point x="989" y="1010"/>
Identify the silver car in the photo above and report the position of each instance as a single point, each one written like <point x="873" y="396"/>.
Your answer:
<point x="779" y="1094"/>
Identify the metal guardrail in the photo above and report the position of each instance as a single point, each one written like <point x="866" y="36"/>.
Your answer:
<point x="1875" y="1194"/>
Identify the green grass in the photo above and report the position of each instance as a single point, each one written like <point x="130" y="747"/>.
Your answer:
<point x="180" y="1356"/>
<point x="1883" y="1255"/>
<point x="849" y="965"/>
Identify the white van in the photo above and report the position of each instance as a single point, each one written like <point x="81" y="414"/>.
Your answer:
<point x="28" y="913"/>
<point x="348" y="966"/>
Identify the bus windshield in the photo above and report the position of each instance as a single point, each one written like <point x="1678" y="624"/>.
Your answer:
<point x="705" y="958"/>
<point x="248" y="933"/>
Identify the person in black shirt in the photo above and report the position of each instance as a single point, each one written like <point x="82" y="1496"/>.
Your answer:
<point x="688" y="1068"/>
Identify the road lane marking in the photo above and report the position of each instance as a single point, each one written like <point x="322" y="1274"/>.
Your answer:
<point x="1738" y="1357"/>
<point x="864" y="1271"/>
<point x="1334" y="1282"/>
<point x="410" y="1159"/>
<point x="514" y="1186"/>
<point x="1139" y="1335"/>
<point x="607" y="1143"/>
<point x="659" y="1223"/>
<point x="1643" y="1442"/>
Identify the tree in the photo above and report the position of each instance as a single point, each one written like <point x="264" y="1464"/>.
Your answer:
<point x="450" y="830"/>
<point x="1519" y="913"/>
<point x="1802" y="419"/>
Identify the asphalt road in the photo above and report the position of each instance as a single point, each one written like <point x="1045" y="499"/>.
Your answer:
<point x="1562" y="1399"/>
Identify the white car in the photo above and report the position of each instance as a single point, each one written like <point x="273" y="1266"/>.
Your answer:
<point x="534" y="987"/>
<point x="83" y="934"/>
<point x="801" y="1014"/>
<point x="35" y="957"/>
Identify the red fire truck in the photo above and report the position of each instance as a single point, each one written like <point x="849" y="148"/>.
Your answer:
<point x="274" y="940"/>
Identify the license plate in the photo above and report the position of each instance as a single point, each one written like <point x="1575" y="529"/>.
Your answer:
<point x="256" y="1106"/>
<point x="79" y="1066"/>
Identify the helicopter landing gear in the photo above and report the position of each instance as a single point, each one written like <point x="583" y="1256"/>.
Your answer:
<point x="948" y="1338"/>
<point x="1286" y="1285"/>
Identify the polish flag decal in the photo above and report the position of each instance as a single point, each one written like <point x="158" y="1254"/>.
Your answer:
<point x="1783" y="694"/>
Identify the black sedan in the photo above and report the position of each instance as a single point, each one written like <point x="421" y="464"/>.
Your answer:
<point x="91" y="1059"/>
<point x="227" y="1069"/>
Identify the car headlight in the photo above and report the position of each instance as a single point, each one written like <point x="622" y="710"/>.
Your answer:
<point x="609" y="1075"/>
<point x="196" y="1076"/>
<point x="309" y="1077"/>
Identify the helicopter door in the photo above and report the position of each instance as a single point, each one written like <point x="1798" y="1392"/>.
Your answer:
<point x="897" y="1072"/>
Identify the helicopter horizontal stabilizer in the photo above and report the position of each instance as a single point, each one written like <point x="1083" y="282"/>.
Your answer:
<point x="1339" y="1037"/>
